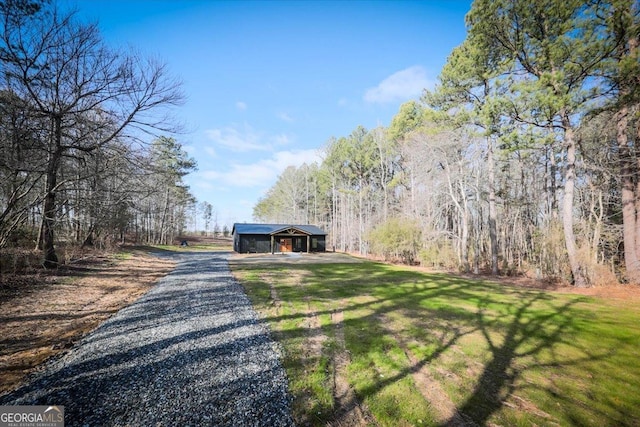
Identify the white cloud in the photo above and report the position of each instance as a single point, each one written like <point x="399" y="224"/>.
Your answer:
<point x="239" y="140"/>
<point x="297" y="158"/>
<point x="285" y="117"/>
<point x="264" y="172"/>
<point x="245" y="138"/>
<point x="403" y="85"/>
<point x="241" y="105"/>
<point x="211" y="151"/>
<point x="281" y="139"/>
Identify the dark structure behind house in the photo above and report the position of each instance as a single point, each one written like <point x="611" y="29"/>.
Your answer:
<point x="277" y="238"/>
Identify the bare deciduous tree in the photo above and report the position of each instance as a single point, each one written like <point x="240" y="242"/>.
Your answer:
<point x="81" y="94"/>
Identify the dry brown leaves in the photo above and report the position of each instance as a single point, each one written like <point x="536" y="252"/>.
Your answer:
<point x="44" y="313"/>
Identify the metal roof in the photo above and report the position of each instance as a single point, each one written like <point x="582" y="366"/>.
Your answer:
<point x="248" y="228"/>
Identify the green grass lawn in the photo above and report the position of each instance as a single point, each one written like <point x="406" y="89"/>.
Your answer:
<point x="493" y="354"/>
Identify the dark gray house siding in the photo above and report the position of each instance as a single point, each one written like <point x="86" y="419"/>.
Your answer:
<point x="249" y="243"/>
<point x="264" y="238"/>
<point x="321" y="244"/>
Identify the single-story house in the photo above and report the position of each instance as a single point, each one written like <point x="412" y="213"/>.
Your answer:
<point x="272" y="238"/>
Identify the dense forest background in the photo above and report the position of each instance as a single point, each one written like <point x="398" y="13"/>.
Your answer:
<point x="87" y="154"/>
<point x="522" y="159"/>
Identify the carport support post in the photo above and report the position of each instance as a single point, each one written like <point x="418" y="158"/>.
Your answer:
<point x="272" y="245"/>
<point x="308" y="244"/>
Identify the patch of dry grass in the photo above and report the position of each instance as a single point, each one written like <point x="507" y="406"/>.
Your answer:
<point x="42" y="313"/>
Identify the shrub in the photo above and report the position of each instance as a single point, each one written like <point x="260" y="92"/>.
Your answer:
<point x="397" y="239"/>
<point x="439" y="254"/>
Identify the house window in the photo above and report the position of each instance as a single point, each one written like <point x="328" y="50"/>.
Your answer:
<point x="314" y="243"/>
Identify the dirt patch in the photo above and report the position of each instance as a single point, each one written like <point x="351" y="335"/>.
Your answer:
<point x="444" y="409"/>
<point x="349" y="412"/>
<point x="45" y="313"/>
<point x="315" y="339"/>
<point x="276" y="302"/>
<point x="520" y="404"/>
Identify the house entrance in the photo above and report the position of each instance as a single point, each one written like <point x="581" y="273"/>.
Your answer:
<point x="286" y="245"/>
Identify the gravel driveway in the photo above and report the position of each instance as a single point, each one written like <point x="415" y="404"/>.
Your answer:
<point x="189" y="352"/>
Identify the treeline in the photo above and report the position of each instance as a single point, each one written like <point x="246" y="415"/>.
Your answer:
<point x="522" y="159"/>
<point x="84" y="153"/>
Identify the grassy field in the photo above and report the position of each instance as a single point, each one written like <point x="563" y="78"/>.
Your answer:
<point x="198" y="243"/>
<point x="370" y="343"/>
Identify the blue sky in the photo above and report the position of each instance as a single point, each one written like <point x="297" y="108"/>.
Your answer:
<point x="269" y="83"/>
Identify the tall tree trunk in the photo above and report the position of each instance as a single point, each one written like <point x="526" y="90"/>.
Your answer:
<point x="635" y="277"/>
<point x="579" y="280"/>
<point x="162" y="238"/>
<point x="360" y="217"/>
<point x="383" y="177"/>
<point x="464" y="241"/>
<point x="634" y="43"/>
<point x="632" y="263"/>
<point x="553" y="197"/>
<point x="630" y="186"/>
<point x="412" y="181"/>
<point x="50" y="258"/>
<point x="464" y="237"/>
<point x="334" y="215"/>
<point x="493" y="215"/>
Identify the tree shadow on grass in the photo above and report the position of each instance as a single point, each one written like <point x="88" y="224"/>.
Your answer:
<point x="331" y="286"/>
<point x="523" y="333"/>
<point x="521" y="329"/>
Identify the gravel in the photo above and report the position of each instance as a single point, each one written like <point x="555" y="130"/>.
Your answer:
<point x="190" y="352"/>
